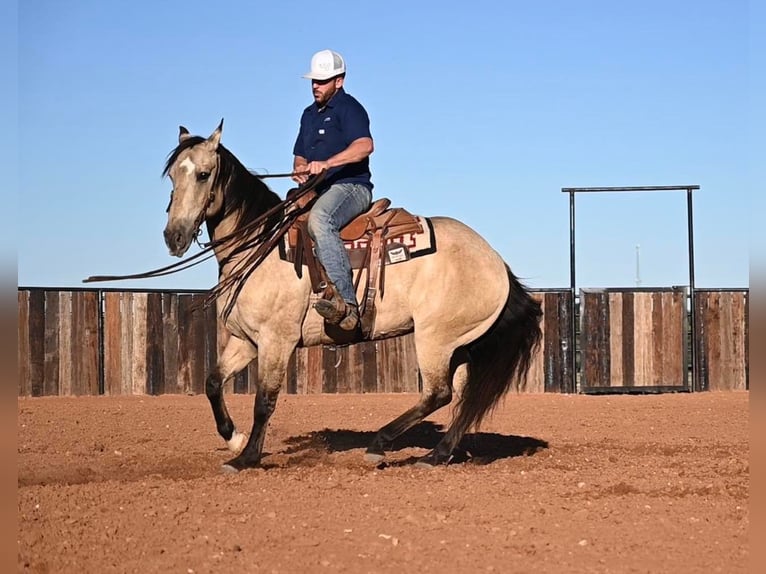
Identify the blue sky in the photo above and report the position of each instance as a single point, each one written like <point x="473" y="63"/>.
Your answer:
<point x="481" y="111"/>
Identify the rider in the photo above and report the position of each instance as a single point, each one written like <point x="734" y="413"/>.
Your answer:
<point x="335" y="138"/>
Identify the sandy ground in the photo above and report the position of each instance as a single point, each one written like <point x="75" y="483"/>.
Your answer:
<point x="553" y="483"/>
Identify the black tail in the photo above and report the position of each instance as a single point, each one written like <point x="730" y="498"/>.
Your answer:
<point x="500" y="356"/>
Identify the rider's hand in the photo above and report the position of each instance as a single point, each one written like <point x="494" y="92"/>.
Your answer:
<point x="300" y="177"/>
<point x="317" y="167"/>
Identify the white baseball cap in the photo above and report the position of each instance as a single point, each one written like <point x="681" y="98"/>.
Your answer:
<point x="325" y="65"/>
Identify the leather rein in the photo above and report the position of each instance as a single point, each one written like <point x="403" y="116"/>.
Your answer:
<point x="269" y="236"/>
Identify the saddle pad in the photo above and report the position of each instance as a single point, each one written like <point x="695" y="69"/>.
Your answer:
<point x="399" y="248"/>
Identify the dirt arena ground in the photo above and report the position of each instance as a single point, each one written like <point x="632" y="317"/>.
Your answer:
<point x="551" y="484"/>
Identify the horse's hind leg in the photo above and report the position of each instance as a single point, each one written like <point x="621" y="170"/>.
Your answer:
<point x="435" y="370"/>
<point x="236" y="356"/>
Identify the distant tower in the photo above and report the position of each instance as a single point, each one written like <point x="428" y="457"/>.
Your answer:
<point x="638" y="266"/>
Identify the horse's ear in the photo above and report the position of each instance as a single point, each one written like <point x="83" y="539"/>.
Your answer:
<point x="215" y="137"/>
<point x="183" y="134"/>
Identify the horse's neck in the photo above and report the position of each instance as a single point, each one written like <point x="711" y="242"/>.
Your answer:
<point x="221" y="229"/>
<point x="225" y="226"/>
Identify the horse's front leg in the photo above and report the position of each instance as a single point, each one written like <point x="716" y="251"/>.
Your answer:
<point x="272" y="372"/>
<point x="236" y="356"/>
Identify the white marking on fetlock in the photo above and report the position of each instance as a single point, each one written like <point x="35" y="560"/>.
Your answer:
<point x="228" y="469"/>
<point x="373" y="457"/>
<point x="237" y="442"/>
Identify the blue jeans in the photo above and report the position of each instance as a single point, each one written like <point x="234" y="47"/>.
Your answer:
<point x="341" y="203"/>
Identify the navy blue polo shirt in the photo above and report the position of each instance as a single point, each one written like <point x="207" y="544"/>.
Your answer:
<point x="331" y="129"/>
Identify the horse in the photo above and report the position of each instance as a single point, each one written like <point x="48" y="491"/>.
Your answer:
<point x="476" y="326"/>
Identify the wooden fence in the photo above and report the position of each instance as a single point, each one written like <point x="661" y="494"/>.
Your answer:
<point x="88" y="342"/>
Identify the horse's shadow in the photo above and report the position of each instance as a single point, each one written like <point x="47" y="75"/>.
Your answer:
<point x="478" y="448"/>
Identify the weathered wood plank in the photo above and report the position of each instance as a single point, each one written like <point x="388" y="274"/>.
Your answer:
<point x="170" y="344"/>
<point x="51" y="344"/>
<point x="126" y="332"/>
<point x="37" y="342"/>
<point x="185" y="343"/>
<point x="85" y="334"/>
<point x="726" y="340"/>
<point x="300" y="370"/>
<point x="351" y="371"/>
<point x="138" y="351"/>
<point x="659" y="345"/>
<point x="678" y="337"/>
<point x="739" y="345"/>
<point x="89" y="307"/>
<point x="332" y="357"/>
<point x="68" y="353"/>
<point x="595" y="337"/>
<point x="746" y="329"/>
<point x="311" y="375"/>
<point x="675" y="322"/>
<point x="112" y="343"/>
<point x="643" y="339"/>
<point x="616" y="371"/>
<point x="714" y="342"/>
<point x="387" y="365"/>
<point x="370" y="367"/>
<point x="628" y="340"/>
<point x="409" y="364"/>
<point x="197" y="342"/>
<point x="155" y="369"/>
<point x="292" y="370"/>
<point x="23" y="350"/>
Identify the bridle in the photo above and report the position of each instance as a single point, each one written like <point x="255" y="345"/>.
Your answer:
<point x="208" y="202"/>
<point x="211" y="197"/>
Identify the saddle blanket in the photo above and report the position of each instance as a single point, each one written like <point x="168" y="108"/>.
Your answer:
<point x="399" y="248"/>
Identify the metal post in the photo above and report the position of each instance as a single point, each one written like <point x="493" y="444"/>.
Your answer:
<point x="692" y="299"/>
<point x="573" y="306"/>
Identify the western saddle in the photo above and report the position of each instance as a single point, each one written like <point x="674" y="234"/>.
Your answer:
<point x="370" y="229"/>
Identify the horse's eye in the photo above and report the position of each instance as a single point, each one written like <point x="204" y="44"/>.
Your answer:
<point x="203" y="176"/>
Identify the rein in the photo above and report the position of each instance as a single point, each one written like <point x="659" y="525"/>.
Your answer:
<point x="266" y="238"/>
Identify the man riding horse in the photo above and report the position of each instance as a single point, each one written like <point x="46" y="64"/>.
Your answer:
<point x="334" y="139"/>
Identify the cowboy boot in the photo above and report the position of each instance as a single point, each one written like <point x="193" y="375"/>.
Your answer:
<point x="336" y="311"/>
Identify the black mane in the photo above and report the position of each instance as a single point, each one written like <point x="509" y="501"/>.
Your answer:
<point x="243" y="191"/>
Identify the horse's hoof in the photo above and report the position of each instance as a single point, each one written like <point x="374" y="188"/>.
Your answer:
<point x="237" y="442"/>
<point x="236" y="465"/>
<point x="432" y="460"/>
<point x="373" y="457"/>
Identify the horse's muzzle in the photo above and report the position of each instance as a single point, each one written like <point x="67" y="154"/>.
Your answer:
<point x="177" y="240"/>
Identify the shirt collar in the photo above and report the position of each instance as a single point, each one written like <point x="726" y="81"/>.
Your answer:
<point x="331" y="104"/>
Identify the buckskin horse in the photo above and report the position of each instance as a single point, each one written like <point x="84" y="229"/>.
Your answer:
<point x="475" y="325"/>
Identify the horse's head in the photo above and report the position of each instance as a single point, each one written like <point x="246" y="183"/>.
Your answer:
<point x="194" y="167"/>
